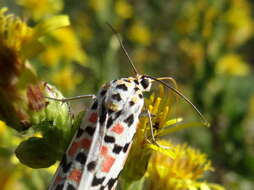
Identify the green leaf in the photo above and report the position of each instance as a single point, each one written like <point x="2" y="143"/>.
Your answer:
<point x="35" y="153"/>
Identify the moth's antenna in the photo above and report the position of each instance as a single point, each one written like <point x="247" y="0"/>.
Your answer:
<point x="183" y="96"/>
<point x="123" y="48"/>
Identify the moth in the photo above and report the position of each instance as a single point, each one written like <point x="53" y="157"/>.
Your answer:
<point x="99" y="148"/>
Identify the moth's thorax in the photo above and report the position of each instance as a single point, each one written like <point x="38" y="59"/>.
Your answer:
<point x="125" y="93"/>
<point x="140" y="81"/>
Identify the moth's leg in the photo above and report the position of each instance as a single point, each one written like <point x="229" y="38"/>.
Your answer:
<point x="153" y="140"/>
<point x="145" y="114"/>
<point x="73" y="98"/>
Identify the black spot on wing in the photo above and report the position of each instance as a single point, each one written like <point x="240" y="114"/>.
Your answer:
<point x="110" y="122"/>
<point x="126" y="80"/>
<point x="102" y="188"/>
<point x="118" y="114"/>
<point x="116" y="97"/>
<point x="65" y="166"/>
<point x="71" y="187"/>
<point x="122" y="87"/>
<point x="81" y="157"/>
<point x="129" y="120"/>
<point x="95" y="105"/>
<point x="131" y="103"/>
<point x="59" y="187"/>
<point x="97" y="181"/>
<point x="90" y="130"/>
<point x="103" y="113"/>
<point x="117" y="149"/>
<point x="109" y="139"/>
<point x="125" y="148"/>
<point x="110" y="111"/>
<point x="140" y="96"/>
<point x="91" y="165"/>
<point x="80" y="132"/>
<point x="111" y="183"/>
<point x="136" y="81"/>
<point x="136" y="89"/>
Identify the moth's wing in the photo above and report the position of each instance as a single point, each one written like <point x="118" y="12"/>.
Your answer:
<point x="93" y="156"/>
<point x="99" y="149"/>
<point x="119" y="129"/>
<point x="69" y="172"/>
<point x="128" y="120"/>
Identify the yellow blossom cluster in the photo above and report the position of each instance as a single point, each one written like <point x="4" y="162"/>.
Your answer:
<point x="184" y="172"/>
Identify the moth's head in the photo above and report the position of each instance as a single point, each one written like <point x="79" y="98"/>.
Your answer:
<point x="145" y="83"/>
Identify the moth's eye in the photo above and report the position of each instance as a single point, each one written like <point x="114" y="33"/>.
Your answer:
<point x="145" y="83"/>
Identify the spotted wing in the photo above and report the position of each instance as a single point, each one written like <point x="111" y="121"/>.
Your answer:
<point x="99" y="148"/>
<point x="119" y="112"/>
<point x="69" y="173"/>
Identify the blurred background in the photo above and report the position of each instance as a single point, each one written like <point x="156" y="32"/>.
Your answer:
<point x="205" y="45"/>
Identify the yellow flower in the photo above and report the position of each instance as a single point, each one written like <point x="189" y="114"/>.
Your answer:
<point x="63" y="45"/>
<point x="13" y="32"/>
<point x="140" y="33"/>
<point x="239" y="17"/>
<point x="66" y="79"/>
<point x="123" y="9"/>
<point x="142" y="146"/>
<point x="18" y="43"/>
<point x="38" y="9"/>
<point x="14" y="37"/>
<point x="160" y="107"/>
<point x="181" y="173"/>
<point x="232" y="64"/>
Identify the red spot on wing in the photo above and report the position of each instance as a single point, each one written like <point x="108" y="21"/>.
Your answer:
<point x="104" y="150"/>
<point x="58" y="179"/>
<point x="118" y="128"/>
<point x="107" y="164"/>
<point x="85" y="143"/>
<point x="93" y="117"/>
<point x="73" y="149"/>
<point x="75" y="175"/>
